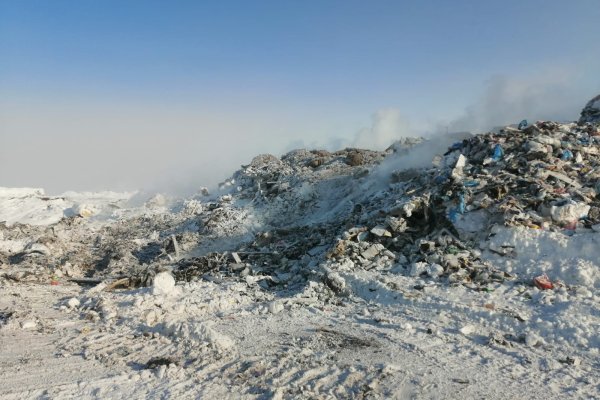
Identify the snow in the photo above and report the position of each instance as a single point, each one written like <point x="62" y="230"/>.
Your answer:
<point x="31" y="206"/>
<point x="6" y="192"/>
<point x="163" y="283"/>
<point x="380" y="339"/>
<point x="12" y="246"/>
<point x="574" y="260"/>
<point x="28" y="324"/>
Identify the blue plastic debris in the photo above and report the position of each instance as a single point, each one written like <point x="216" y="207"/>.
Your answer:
<point x="441" y="178"/>
<point x="566" y="155"/>
<point x="523" y="124"/>
<point x="569" y="232"/>
<point x="470" y="183"/>
<point x="459" y="209"/>
<point x="461" y="204"/>
<point x="453" y="215"/>
<point x="498" y="153"/>
<point x="454" y="147"/>
<point x="584" y="141"/>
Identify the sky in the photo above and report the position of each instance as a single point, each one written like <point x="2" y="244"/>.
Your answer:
<point x="176" y="95"/>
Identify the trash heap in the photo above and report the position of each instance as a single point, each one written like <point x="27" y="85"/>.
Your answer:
<point x="268" y="177"/>
<point x="422" y="222"/>
<point x="542" y="176"/>
<point x="282" y="223"/>
<point x="545" y="176"/>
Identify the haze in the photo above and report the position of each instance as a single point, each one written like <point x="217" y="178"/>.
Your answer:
<point x="176" y="95"/>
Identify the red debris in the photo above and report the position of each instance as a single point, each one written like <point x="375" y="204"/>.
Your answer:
<point x="542" y="282"/>
<point x="571" y="226"/>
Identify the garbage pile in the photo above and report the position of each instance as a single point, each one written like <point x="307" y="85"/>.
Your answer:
<point x="268" y="177"/>
<point x="545" y="176"/>
<point x="423" y="222"/>
<point x="281" y="223"/>
<point x="79" y="249"/>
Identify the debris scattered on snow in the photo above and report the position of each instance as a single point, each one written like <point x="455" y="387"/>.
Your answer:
<point x="497" y="237"/>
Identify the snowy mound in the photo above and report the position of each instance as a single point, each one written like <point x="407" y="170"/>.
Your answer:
<point x="31" y="206"/>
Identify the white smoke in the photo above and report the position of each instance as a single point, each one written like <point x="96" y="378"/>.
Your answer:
<point x="553" y="95"/>
<point x="388" y="125"/>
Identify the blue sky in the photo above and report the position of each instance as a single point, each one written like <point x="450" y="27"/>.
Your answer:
<point x="193" y="89"/>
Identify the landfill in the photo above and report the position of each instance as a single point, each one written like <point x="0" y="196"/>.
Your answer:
<point x="320" y="274"/>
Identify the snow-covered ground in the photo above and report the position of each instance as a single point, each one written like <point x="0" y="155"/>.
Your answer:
<point x="387" y="340"/>
<point x="31" y="206"/>
<point x="313" y="326"/>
